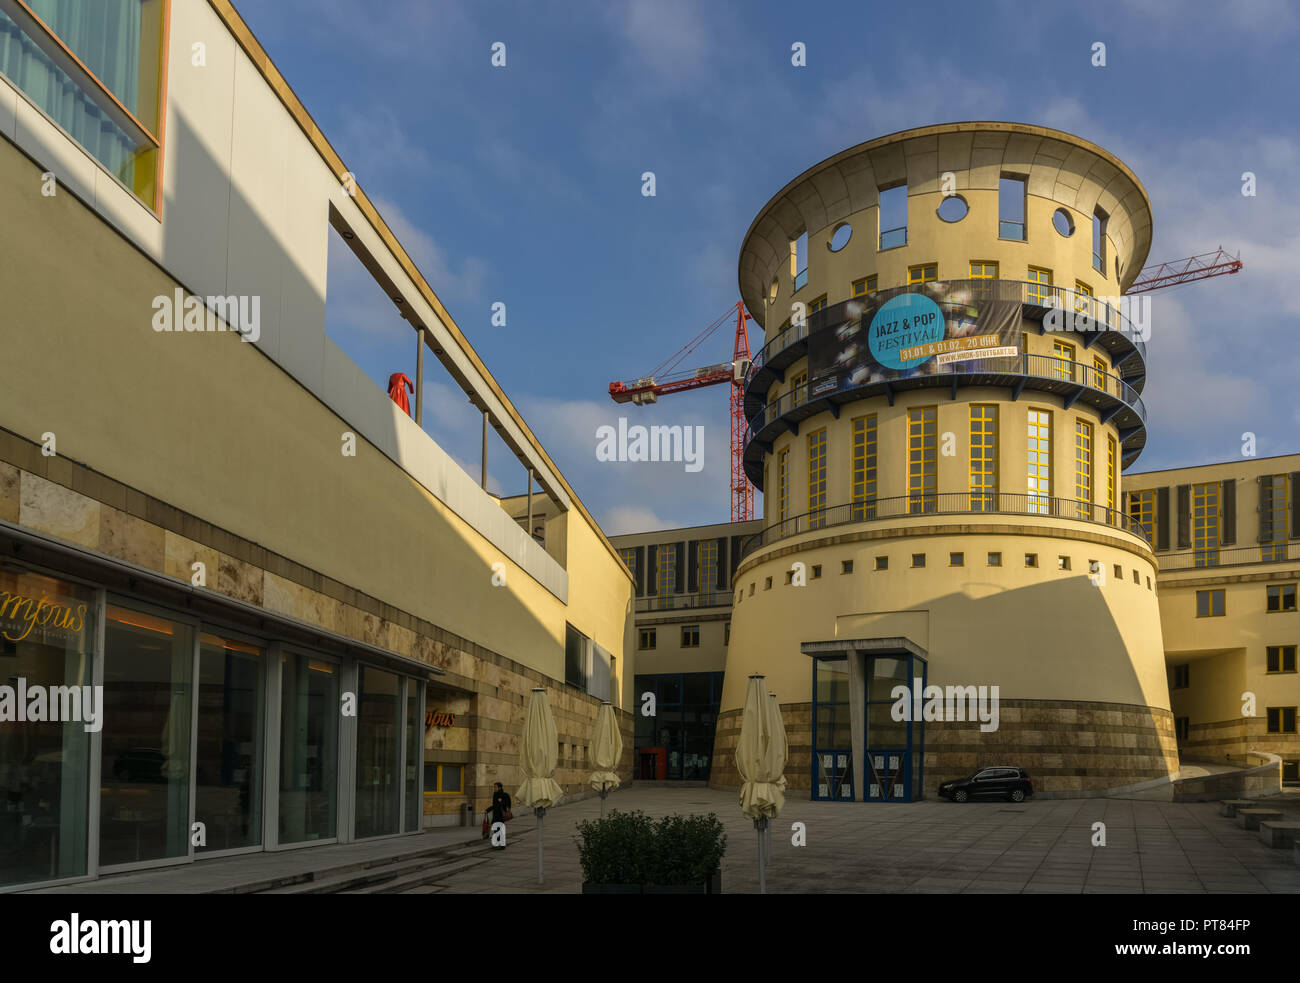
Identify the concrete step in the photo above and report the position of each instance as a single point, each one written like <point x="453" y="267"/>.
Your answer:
<point x="376" y="872"/>
<point x="1251" y="818"/>
<point x="1277" y="833"/>
<point x="419" y="877"/>
<point x="1229" y="807"/>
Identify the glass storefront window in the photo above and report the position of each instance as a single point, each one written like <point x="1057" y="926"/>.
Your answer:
<point x="47" y="632"/>
<point x="379" y="722"/>
<point x="145" y="760"/>
<point x="228" y="771"/>
<point x="414" y="751"/>
<point x="309" y="748"/>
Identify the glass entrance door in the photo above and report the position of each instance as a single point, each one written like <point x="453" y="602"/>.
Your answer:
<point x="894" y="741"/>
<point x="832" y="730"/>
<point x="379" y="722"/>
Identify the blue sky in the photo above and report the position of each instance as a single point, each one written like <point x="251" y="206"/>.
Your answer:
<point x="523" y="185"/>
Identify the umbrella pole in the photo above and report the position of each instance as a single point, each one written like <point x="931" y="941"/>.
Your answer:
<point x="762" y="874"/>
<point x="541" y="814"/>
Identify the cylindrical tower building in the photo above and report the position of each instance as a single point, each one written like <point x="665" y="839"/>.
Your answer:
<point x="939" y="443"/>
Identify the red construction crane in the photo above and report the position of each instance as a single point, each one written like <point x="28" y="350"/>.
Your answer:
<point x="1202" y="267"/>
<point x="663" y="381"/>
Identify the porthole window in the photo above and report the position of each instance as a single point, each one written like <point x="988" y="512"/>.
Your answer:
<point x="1062" y="222"/>
<point x="840" y="237"/>
<point x="953" y="208"/>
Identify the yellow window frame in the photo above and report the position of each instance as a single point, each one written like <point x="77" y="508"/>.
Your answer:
<point x="1206" y="519"/>
<point x="923" y="273"/>
<point x="983" y="469"/>
<point x="922" y="458"/>
<point x="1083" y="468"/>
<point x="817" y="478"/>
<point x="1040" y="461"/>
<point x="1040" y="286"/>
<point x="866" y="459"/>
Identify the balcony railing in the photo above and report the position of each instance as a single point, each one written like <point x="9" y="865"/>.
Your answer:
<point x="1030" y="294"/>
<point x="891" y="238"/>
<point x="1037" y="366"/>
<point x="943" y="503"/>
<point x="1232" y="556"/>
<point x="684" y="602"/>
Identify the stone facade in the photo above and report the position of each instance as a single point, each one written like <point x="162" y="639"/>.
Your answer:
<point x="68" y="502"/>
<point x="1224" y="738"/>
<point x="1067" y="747"/>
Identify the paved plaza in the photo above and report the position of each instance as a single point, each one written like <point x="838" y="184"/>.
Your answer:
<point x="931" y="847"/>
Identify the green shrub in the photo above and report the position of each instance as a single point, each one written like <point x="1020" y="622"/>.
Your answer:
<point x="629" y="848"/>
<point x="618" y="849"/>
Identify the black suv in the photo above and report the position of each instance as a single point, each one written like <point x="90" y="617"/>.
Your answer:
<point x="988" y="783"/>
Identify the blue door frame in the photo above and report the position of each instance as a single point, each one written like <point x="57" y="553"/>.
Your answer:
<point x="890" y="773"/>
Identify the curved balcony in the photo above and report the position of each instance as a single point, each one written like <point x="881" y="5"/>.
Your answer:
<point x="1113" y="398"/>
<point x="947" y="503"/>
<point x="1116" y="334"/>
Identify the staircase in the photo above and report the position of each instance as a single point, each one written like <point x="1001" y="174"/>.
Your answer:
<point x="417" y="874"/>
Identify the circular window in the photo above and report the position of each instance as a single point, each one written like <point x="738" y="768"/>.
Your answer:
<point x="840" y="237"/>
<point x="953" y="208"/>
<point x="771" y="291"/>
<point x="1062" y="222"/>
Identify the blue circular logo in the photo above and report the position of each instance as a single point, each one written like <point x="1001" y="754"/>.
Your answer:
<point x="906" y="321"/>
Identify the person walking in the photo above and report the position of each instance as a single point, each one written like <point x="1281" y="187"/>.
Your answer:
<point x="499" y="811"/>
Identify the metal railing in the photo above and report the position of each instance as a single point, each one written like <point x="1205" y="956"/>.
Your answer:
<point x="684" y="602"/>
<point x="892" y="238"/>
<point x="941" y="503"/>
<point x="1230" y="556"/>
<point x="1036" y="366"/>
<point x="1024" y="291"/>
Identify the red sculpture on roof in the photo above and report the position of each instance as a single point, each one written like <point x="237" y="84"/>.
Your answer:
<point x="398" y="384"/>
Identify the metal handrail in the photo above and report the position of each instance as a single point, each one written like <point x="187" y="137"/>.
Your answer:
<point x="683" y="602"/>
<point x="1031" y="294"/>
<point x="1231" y="556"/>
<point x="941" y="503"/>
<point x="1037" y="366"/>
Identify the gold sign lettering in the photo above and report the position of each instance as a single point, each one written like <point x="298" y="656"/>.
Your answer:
<point x="29" y="612"/>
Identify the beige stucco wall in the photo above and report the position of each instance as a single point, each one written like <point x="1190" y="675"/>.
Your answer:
<point x="212" y="426"/>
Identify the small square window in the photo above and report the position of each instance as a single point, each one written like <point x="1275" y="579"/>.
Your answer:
<point x="1281" y="720"/>
<point x="1119" y="572"/>
<point x="816" y="571"/>
<point x="1182" y="676"/>
<point x="1137" y="578"/>
<point x="956" y="559"/>
<point x="789" y="577"/>
<point x="918" y="559"/>
<point x="1148" y="583"/>
<point x="1281" y="658"/>
<point x="1209" y="603"/>
<point x="846" y="566"/>
<point x="690" y="636"/>
<point x="882" y="563"/>
<point x="1180" y="728"/>
<point x="995" y="559"/>
<point x="1062" y="563"/>
<point x="767" y="584"/>
<point x="751" y="588"/>
<point x="1281" y="597"/>
<point x="647" y="640"/>
<point x="1291" y="771"/>
<point x="1031" y="559"/>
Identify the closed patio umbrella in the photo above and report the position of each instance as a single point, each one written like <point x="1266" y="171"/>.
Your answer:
<point x="606" y="749"/>
<point x="538" y="753"/>
<point x="779" y="749"/>
<point x="761" y="797"/>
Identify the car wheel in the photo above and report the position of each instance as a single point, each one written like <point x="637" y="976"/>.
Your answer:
<point x="1018" y="795"/>
<point x="959" y="795"/>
